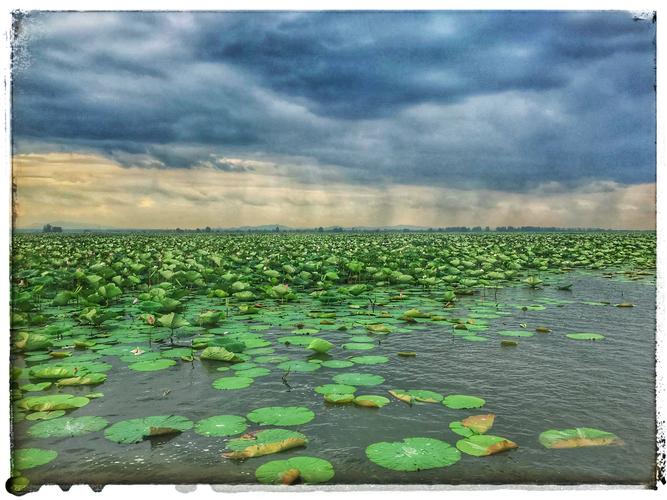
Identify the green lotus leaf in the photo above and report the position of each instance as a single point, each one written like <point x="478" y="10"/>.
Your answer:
<point x="218" y="354"/>
<point x="371" y="401"/>
<point x="273" y="358"/>
<point x="221" y="426"/>
<point x="255" y="372"/>
<point x="425" y="396"/>
<point x="585" y="336"/>
<point x="281" y="415"/>
<point x="31" y="342"/>
<point x="320" y="345"/>
<point x="335" y="389"/>
<point x="67" y="427"/>
<point x="578" y="437"/>
<point x="176" y="353"/>
<point x="299" y="366"/>
<point x="36" y="387"/>
<point x="89" y="379"/>
<point x="28" y="458"/>
<point x="337" y="363"/>
<point x="302" y="341"/>
<point x="369" y="360"/>
<point x="45" y="415"/>
<point x="356" y="379"/>
<point x="460" y="401"/>
<point x="305" y="331"/>
<point x="413" y="454"/>
<point x="339" y="398"/>
<point x="232" y="383"/>
<point x="307" y="470"/>
<point x="460" y="429"/>
<point x="137" y="429"/>
<point x="358" y="346"/>
<point x="53" y="372"/>
<point x="53" y="402"/>
<point x="264" y="443"/>
<point x="151" y="366"/>
<point x="480" y="445"/>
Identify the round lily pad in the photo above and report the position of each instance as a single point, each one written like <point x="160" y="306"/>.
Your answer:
<point x="232" y="383"/>
<point x="45" y="415"/>
<point x="577" y="437"/>
<point x="137" y="429"/>
<point x="151" y="366"/>
<point x="299" y="366"/>
<point x="480" y="445"/>
<point x="358" y="346"/>
<point x="53" y="402"/>
<point x="369" y="360"/>
<point x="303" y="341"/>
<point x="337" y="363"/>
<point x="460" y="401"/>
<point x="264" y="443"/>
<point x="413" y="454"/>
<point x="27" y="458"/>
<point x="274" y="358"/>
<point x="281" y="415"/>
<point x="255" y="372"/>
<point x="36" y="387"/>
<point x="585" y="336"/>
<point x="335" y="389"/>
<point x="221" y="425"/>
<point x="67" y="427"/>
<point x="425" y="396"/>
<point x="307" y="470"/>
<point x="338" y="398"/>
<point x="356" y="379"/>
<point x="371" y="401"/>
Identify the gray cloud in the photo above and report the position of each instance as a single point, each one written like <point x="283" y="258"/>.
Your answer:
<point x="503" y="100"/>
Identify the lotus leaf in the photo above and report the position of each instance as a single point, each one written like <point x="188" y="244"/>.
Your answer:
<point x="578" y="437"/>
<point x="338" y="398"/>
<point x="337" y="363"/>
<point x="371" y="401"/>
<point x="54" y="402"/>
<point x="45" y="415"/>
<point x="218" y="354"/>
<point x="36" y="387"/>
<point x="516" y="333"/>
<point x="138" y="429"/>
<point x="221" y="426"/>
<point x="281" y="415"/>
<point x="320" y="345"/>
<point x="335" y="389"/>
<point x="151" y="366"/>
<point x="459" y="402"/>
<point x="232" y="383"/>
<point x="585" y="336"/>
<point x="67" y="427"/>
<point x="480" y="445"/>
<point x="413" y="454"/>
<point x="358" y="346"/>
<point x="28" y="458"/>
<point x="353" y="378"/>
<point x="299" y="366"/>
<point x="264" y="443"/>
<point x="308" y="470"/>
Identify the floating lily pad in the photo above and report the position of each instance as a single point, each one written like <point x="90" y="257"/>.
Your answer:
<point x="369" y="360"/>
<point x="307" y="470"/>
<point x="358" y="346"/>
<point x="152" y="366"/>
<point x="585" y="336"/>
<point x="413" y="454"/>
<point x="53" y="402"/>
<point x="356" y="379"/>
<point x="255" y="372"/>
<point x="320" y="345"/>
<point x="480" y="445"/>
<point x="425" y="396"/>
<point x="138" y="429"/>
<point x="89" y="379"/>
<point x="578" y="437"/>
<point x="337" y="363"/>
<point x="232" y="383"/>
<point x="299" y="366"/>
<point x="36" y="387"/>
<point x="45" y="415"/>
<point x="67" y="427"/>
<point x="217" y="354"/>
<point x="28" y="458"/>
<point x="221" y="425"/>
<point x="460" y="401"/>
<point x="338" y="398"/>
<point x="303" y="341"/>
<point x="275" y="358"/>
<point x="281" y="415"/>
<point x="479" y="423"/>
<point x="264" y="443"/>
<point x="371" y="401"/>
<point x="335" y="389"/>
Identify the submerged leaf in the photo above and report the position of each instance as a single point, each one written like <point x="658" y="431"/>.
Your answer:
<point x="578" y="437"/>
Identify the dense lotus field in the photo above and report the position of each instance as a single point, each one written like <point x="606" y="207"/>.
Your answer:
<point x="282" y="308"/>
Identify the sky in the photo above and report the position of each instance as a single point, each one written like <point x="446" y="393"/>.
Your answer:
<point x="221" y="119"/>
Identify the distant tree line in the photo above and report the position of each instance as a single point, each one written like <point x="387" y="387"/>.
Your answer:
<point x="48" y="228"/>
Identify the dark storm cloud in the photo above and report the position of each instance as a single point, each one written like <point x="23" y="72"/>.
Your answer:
<point x="467" y="99"/>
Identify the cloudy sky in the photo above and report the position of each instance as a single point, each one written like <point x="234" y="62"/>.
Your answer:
<point x="155" y="120"/>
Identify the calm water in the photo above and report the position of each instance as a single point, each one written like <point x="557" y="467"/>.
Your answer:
<point x="547" y="382"/>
